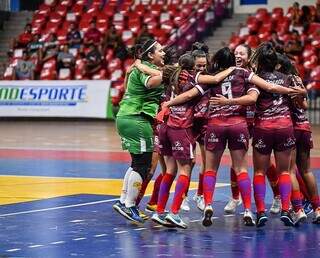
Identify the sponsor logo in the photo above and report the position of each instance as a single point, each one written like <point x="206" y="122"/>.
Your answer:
<point x="177" y="146"/>
<point x="242" y="138"/>
<point x="64" y="95"/>
<point x="213" y="138"/>
<point x="260" y="144"/>
<point x="290" y="142"/>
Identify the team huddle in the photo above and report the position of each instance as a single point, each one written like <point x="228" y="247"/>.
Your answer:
<point x="220" y="102"/>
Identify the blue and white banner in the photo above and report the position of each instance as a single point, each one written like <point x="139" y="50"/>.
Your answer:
<point x="54" y="98"/>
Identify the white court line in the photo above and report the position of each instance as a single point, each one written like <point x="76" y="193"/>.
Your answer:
<point x="58" y="208"/>
<point x="13" y="250"/>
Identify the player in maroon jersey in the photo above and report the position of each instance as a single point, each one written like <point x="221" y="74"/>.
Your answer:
<point x="177" y="142"/>
<point x="300" y="161"/>
<point x="243" y="53"/>
<point x="273" y="131"/>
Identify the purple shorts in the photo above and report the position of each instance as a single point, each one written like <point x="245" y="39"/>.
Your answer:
<point x="178" y="143"/>
<point x="303" y="139"/>
<point x="199" y="130"/>
<point x="264" y="141"/>
<point x="217" y="137"/>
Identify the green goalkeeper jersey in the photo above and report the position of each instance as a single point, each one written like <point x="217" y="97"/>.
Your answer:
<point x="138" y="98"/>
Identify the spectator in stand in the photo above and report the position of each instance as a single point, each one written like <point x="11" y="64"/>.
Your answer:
<point x="93" y="60"/>
<point x="111" y="37"/>
<point x="35" y="47"/>
<point x="24" y="69"/>
<point x="317" y="19"/>
<point x="121" y="50"/>
<point x="65" y="58"/>
<point x="50" y="48"/>
<point x="74" y="37"/>
<point x="294" y="46"/>
<point x="25" y="38"/>
<point x="306" y="18"/>
<point x="93" y="35"/>
<point x="144" y="35"/>
<point x="295" y="14"/>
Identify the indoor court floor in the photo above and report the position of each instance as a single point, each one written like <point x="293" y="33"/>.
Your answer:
<point x="59" y="179"/>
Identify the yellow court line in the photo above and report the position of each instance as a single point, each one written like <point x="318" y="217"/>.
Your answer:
<point x="18" y="189"/>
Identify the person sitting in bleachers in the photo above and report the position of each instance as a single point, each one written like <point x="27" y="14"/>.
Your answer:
<point x="111" y="37"/>
<point x="93" y="35"/>
<point x="50" y="48"/>
<point x="35" y="47"/>
<point x="65" y="58"/>
<point x="25" y="38"/>
<point x="93" y="60"/>
<point x="294" y="45"/>
<point x="24" y="70"/>
<point x="74" y="37"/>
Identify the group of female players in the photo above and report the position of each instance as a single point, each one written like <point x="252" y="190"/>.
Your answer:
<point x="226" y="100"/>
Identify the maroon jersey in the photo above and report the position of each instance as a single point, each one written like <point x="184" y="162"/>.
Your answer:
<point x="299" y="116"/>
<point x="234" y="86"/>
<point x="273" y="110"/>
<point x="181" y="116"/>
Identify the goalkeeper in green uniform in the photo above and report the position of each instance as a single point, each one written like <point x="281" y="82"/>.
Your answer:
<point x="134" y="121"/>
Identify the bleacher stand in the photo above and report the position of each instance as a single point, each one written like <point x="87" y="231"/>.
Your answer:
<point x="112" y="25"/>
<point x="295" y="31"/>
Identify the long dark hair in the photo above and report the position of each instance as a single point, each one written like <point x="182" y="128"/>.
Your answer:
<point x="171" y="57"/>
<point x="222" y="60"/>
<point x="170" y="75"/>
<point x="286" y="66"/>
<point x="264" y="58"/>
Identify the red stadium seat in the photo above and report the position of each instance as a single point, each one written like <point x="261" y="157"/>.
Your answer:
<point x="277" y="13"/>
<point x="65" y="74"/>
<point x="100" y="75"/>
<point x="252" y="41"/>
<point x="62" y="10"/>
<point x="311" y="62"/>
<point x="313" y="27"/>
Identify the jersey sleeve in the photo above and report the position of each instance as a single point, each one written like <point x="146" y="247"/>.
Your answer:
<point x="202" y="88"/>
<point x="143" y="78"/>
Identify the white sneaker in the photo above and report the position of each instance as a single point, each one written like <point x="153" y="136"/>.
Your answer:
<point x="199" y="201"/>
<point x="185" y="204"/>
<point x="316" y="219"/>
<point x="276" y="205"/>
<point x="299" y="216"/>
<point x="248" y="218"/>
<point x="232" y="205"/>
<point x="207" y="215"/>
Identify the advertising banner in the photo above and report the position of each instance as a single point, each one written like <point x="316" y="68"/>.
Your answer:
<point x="55" y="98"/>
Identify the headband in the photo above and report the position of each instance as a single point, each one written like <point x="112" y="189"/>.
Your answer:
<point x="155" y="42"/>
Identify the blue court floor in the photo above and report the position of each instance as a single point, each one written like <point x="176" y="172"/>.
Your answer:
<point x="78" y="219"/>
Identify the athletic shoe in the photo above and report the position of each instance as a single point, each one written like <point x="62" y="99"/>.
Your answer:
<point x="248" y="218"/>
<point x="287" y="219"/>
<point x="176" y="220"/>
<point x="232" y="205"/>
<point x="185" y="204"/>
<point x="151" y="207"/>
<point x="316" y="219"/>
<point x="307" y="207"/>
<point x="161" y="219"/>
<point x="121" y="209"/>
<point x="199" y="201"/>
<point x="143" y="215"/>
<point x="207" y="215"/>
<point x="261" y="219"/>
<point x="299" y="217"/>
<point x="276" y="205"/>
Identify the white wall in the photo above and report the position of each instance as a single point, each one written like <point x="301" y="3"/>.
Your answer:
<point x="271" y="4"/>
